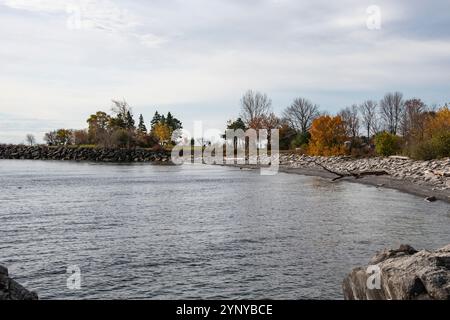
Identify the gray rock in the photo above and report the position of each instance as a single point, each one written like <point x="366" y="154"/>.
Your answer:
<point x="11" y="290"/>
<point x="405" y="274"/>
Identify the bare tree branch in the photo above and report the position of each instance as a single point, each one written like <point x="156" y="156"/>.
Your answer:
<point x="354" y="174"/>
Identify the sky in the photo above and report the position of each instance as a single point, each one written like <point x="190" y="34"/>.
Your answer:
<point x="61" y="61"/>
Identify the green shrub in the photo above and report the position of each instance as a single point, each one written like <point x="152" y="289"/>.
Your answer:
<point x="387" y="144"/>
<point x="434" y="148"/>
<point x="300" y="140"/>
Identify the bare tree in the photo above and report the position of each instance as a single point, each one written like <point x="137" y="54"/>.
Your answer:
<point x="254" y="105"/>
<point x="351" y="119"/>
<point x="301" y="114"/>
<point x="369" y="116"/>
<point x="391" y="107"/>
<point x="120" y="108"/>
<point x="31" y="140"/>
<point x="413" y="118"/>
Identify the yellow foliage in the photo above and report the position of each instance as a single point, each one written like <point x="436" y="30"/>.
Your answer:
<point x="328" y="136"/>
<point x="163" y="133"/>
<point x="439" y="123"/>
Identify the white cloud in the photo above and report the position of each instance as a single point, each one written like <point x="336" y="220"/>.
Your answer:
<point x="202" y="54"/>
<point x="102" y="15"/>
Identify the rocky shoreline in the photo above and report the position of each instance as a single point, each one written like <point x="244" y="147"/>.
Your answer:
<point x="430" y="179"/>
<point x="69" y="153"/>
<point x="11" y="290"/>
<point x="401" y="274"/>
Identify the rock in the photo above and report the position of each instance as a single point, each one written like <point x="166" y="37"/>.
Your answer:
<point x="79" y="153"/>
<point x="405" y="274"/>
<point x="11" y="290"/>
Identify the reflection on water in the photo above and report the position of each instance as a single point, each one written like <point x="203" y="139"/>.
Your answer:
<point x="155" y="232"/>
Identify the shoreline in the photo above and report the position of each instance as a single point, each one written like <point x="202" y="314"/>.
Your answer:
<point x="387" y="182"/>
<point x="381" y="182"/>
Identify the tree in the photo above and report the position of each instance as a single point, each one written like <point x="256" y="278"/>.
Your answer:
<point x="350" y="118"/>
<point x="236" y="125"/>
<point x="387" y="144"/>
<point x="59" y="137"/>
<point x="80" y="137"/>
<point x="64" y="136"/>
<point x="391" y="107"/>
<point x="254" y="105"/>
<point x="142" y="129"/>
<point x="328" y="135"/>
<point x="268" y="122"/>
<point x="368" y="111"/>
<point x="100" y="129"/>
<point x="124" y="115"/>
<point x="31" y="140"/>
<point x="413" y="119"/>
<point x="156" y="119"/>
<point x="301" y="114"/>
<point x="436" y="138"/>
<point x="129" y="121"/>
<point x="438" y="123"/>
<point x="172" y="122"/>
<point x="163" y="133"/>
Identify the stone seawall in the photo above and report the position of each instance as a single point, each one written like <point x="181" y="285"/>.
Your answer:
<point x="82" y="154"/>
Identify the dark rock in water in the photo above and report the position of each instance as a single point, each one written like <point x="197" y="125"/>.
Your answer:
<point x="431" y="199"/>
<point x="404" y="274"/>
<point x="11" y="290"/>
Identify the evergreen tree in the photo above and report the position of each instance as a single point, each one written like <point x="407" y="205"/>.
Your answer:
<point x="173" y="123"/>
<point x="141" y="127"/>
<point x="129" y="121"/>
<point x="156" y="119"/>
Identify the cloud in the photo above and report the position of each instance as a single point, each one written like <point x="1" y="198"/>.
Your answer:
<point x="197" y="57"/>
<point x="102" y="15"/>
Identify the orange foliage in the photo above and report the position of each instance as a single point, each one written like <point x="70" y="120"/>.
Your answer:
<point x="328" y="136"/>
<point x="439" y="123"/>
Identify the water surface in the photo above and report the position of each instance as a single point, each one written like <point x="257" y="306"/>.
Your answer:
<point x="164" y="232"/>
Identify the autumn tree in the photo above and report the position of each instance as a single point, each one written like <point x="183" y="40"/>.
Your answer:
<point x="301" y="114"/>
<point x="163" y="133"/>
<point x="59" y="137"/>
<point x="80" y="137"/>
<point x="99" y="129"/>
<point x="328" y="135"/>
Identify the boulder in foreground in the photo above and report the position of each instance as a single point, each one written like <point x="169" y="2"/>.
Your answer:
<point x="11" y="290"/>
<point x="403" y="274"/>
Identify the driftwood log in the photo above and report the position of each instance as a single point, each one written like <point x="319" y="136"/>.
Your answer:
<point x="354" y="174"/>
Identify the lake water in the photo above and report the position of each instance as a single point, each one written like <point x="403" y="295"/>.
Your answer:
<point x="191" y="232"/>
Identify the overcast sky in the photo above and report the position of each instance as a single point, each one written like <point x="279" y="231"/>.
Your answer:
<point x="63" y="60"/>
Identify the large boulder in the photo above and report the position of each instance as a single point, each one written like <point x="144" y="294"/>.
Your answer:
<point x="11" y="290"/>
<point x="404" y="274"/>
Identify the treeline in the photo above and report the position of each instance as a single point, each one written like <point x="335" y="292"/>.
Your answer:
<point x="387" y="127"/>
<point x="118" y="130"/>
